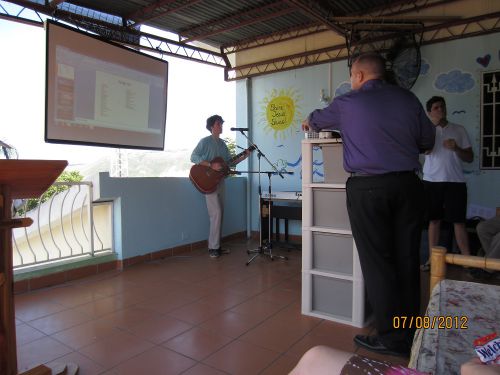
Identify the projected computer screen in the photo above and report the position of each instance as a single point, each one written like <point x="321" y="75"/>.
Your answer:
<point x="103" y="94"/>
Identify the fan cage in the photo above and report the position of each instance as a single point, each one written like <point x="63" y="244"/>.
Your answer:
<point x="400" y="48"/>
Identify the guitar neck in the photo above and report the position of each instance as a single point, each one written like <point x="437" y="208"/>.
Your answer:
<point x="232" y="161"/>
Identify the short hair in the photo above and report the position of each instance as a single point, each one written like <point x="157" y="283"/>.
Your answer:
<point x="431" y="101"/>
<point x="374" y="61"/>
<point x="211" y="121"/>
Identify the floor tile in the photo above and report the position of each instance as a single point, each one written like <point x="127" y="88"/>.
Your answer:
<point x="128" y="316"/>
<point x="196" y="312"/>
<point x="25" y="334"/>
<point x="134" y="294"/>
<point x="258" y="308"/>
<point x="283" y="365"/>
<point x="100" y="307"/>
<point x="224" y="298"/>
<point x="85" y="334"/>
<point x="27" y="311"/>
<point x="38" y="352"/>
<point x="240" y="358"/>
<point x="169" y="302"/>
<point x="188" y="315"/>
<point x="155" y="361"/>
<point x="72" y="295"/>
<point x="201" y="369"/>
<point x="109" y="286"/>
<point x="59" y="321"/>
<point x="114" y="349"/>
<point x="249" y="288"/>
<point x="274" y="335"/>
<point x="337" y="335"/>
<point x="159" y="329"/>
<point x="85" y="365"/>
<point x="231" y="324"/>
<point x="197" y="343"/>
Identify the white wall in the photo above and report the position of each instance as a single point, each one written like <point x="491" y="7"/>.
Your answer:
<point x="282" y="147"/>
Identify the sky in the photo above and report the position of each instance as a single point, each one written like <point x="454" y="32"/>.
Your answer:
<point x="195" y="91"/>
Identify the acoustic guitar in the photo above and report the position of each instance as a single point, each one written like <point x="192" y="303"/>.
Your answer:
<point x="206" y="179"/>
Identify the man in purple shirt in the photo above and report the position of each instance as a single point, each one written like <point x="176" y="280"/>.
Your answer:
<point x="384" y="129"/>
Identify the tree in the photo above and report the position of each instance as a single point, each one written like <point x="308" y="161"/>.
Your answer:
<point x="66" y="176"/>
<point x="231" y="145"/>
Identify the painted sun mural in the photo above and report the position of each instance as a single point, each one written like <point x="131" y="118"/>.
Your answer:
<point x="280" y="113"/>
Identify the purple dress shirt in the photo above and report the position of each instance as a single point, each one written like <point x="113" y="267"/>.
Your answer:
<point x="384" y="128"/>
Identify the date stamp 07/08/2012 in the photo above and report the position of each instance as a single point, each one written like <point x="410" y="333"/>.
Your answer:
<point x="430" y="322"/>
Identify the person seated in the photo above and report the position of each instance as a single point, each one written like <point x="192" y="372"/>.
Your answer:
<point x="476" y="367"/>
<point x="488" y="232"/>
<point x="323" y="360"/>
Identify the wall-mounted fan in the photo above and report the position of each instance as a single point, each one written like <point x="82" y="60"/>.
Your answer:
<point x="403" y="61"/>
<point x="400" y="48"/>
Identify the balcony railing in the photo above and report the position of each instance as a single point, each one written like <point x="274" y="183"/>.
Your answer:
<point x="69" y="225"/>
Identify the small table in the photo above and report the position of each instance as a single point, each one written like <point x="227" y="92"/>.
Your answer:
<point x="284" y="205"/>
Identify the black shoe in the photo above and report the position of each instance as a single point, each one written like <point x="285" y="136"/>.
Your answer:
<point x="214" y="253"/>
<point x="374" y="344"/>
<point x="224" y="251"/>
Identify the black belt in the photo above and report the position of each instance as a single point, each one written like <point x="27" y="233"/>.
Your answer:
<point x="396" y="173"/>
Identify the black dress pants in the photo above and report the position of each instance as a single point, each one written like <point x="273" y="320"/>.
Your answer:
<point x="386" y="212"/>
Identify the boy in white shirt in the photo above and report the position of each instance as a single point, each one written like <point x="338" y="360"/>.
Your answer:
<point x="444" y="180"/>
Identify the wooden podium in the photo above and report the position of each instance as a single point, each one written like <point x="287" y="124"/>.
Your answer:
<point x="18" y="179"/>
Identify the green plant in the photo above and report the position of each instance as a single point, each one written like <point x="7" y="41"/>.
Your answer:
<point x="231" y="145"/>
<point x="66" y="176"/>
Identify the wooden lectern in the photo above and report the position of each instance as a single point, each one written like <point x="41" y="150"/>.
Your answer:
<point x="18" y="179"/>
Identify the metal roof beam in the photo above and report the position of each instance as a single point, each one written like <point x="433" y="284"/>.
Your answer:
<point x="431" y="35"/>
<point x="159" y="45"/>
<point x="149" y="13"/>
<point x="308" y="8"/>
<point x="235" y="21"/>
<point x="387" y="10"/>
<point x="276" y="37"/>
<point x="403" y="6"/>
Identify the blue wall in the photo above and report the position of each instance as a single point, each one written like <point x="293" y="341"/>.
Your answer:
<point x="469" y="57"/>
<point x="152" y="214"/>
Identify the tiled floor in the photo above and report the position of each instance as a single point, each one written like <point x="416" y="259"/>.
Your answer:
<point x="184" y="315"/>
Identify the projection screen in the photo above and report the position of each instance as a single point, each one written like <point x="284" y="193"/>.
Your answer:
<point x="102" y="94"/>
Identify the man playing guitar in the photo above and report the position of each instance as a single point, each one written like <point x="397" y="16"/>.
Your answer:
<point x="212" y="152"/>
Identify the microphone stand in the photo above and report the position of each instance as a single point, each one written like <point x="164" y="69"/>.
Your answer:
<point x="264" y="249"/>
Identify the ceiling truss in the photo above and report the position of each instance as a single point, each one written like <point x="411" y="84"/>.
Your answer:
<point x="474" y="26"/>
<point x="116" y="33"/>
<point x="124" y="29"/>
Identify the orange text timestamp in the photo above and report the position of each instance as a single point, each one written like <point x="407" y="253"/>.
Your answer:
<point x="430" y="322"/>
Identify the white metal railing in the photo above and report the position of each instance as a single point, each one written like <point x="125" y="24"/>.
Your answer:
<point x="65" y="226"/>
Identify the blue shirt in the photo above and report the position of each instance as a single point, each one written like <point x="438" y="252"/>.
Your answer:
<point x="209" y="148"/>
<point x="384" y="128"/>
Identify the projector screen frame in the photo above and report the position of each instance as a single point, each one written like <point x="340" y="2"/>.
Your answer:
<point x="152" y="138"/>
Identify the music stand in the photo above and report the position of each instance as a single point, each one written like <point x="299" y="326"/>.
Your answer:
<point x="264" y="249"/>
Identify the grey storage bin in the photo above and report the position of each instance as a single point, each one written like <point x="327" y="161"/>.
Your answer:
<point x="329" y="209"/>
<point x="332" y="253"/>
<point x="332" y="296"/>
<point x="333" y="160"/>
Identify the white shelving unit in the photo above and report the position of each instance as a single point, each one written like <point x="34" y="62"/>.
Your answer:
<point x="332" y="282"/>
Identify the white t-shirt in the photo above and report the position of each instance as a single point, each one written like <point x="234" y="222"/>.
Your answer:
<point x="442" y="164"/>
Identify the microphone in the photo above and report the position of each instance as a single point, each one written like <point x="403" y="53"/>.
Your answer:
<point x="240" y="129"/>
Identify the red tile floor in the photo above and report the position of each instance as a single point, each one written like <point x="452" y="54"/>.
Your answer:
<point x="182" y="315"/>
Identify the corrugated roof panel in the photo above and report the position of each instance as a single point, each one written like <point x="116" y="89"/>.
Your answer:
<point x="201" y="18"/>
